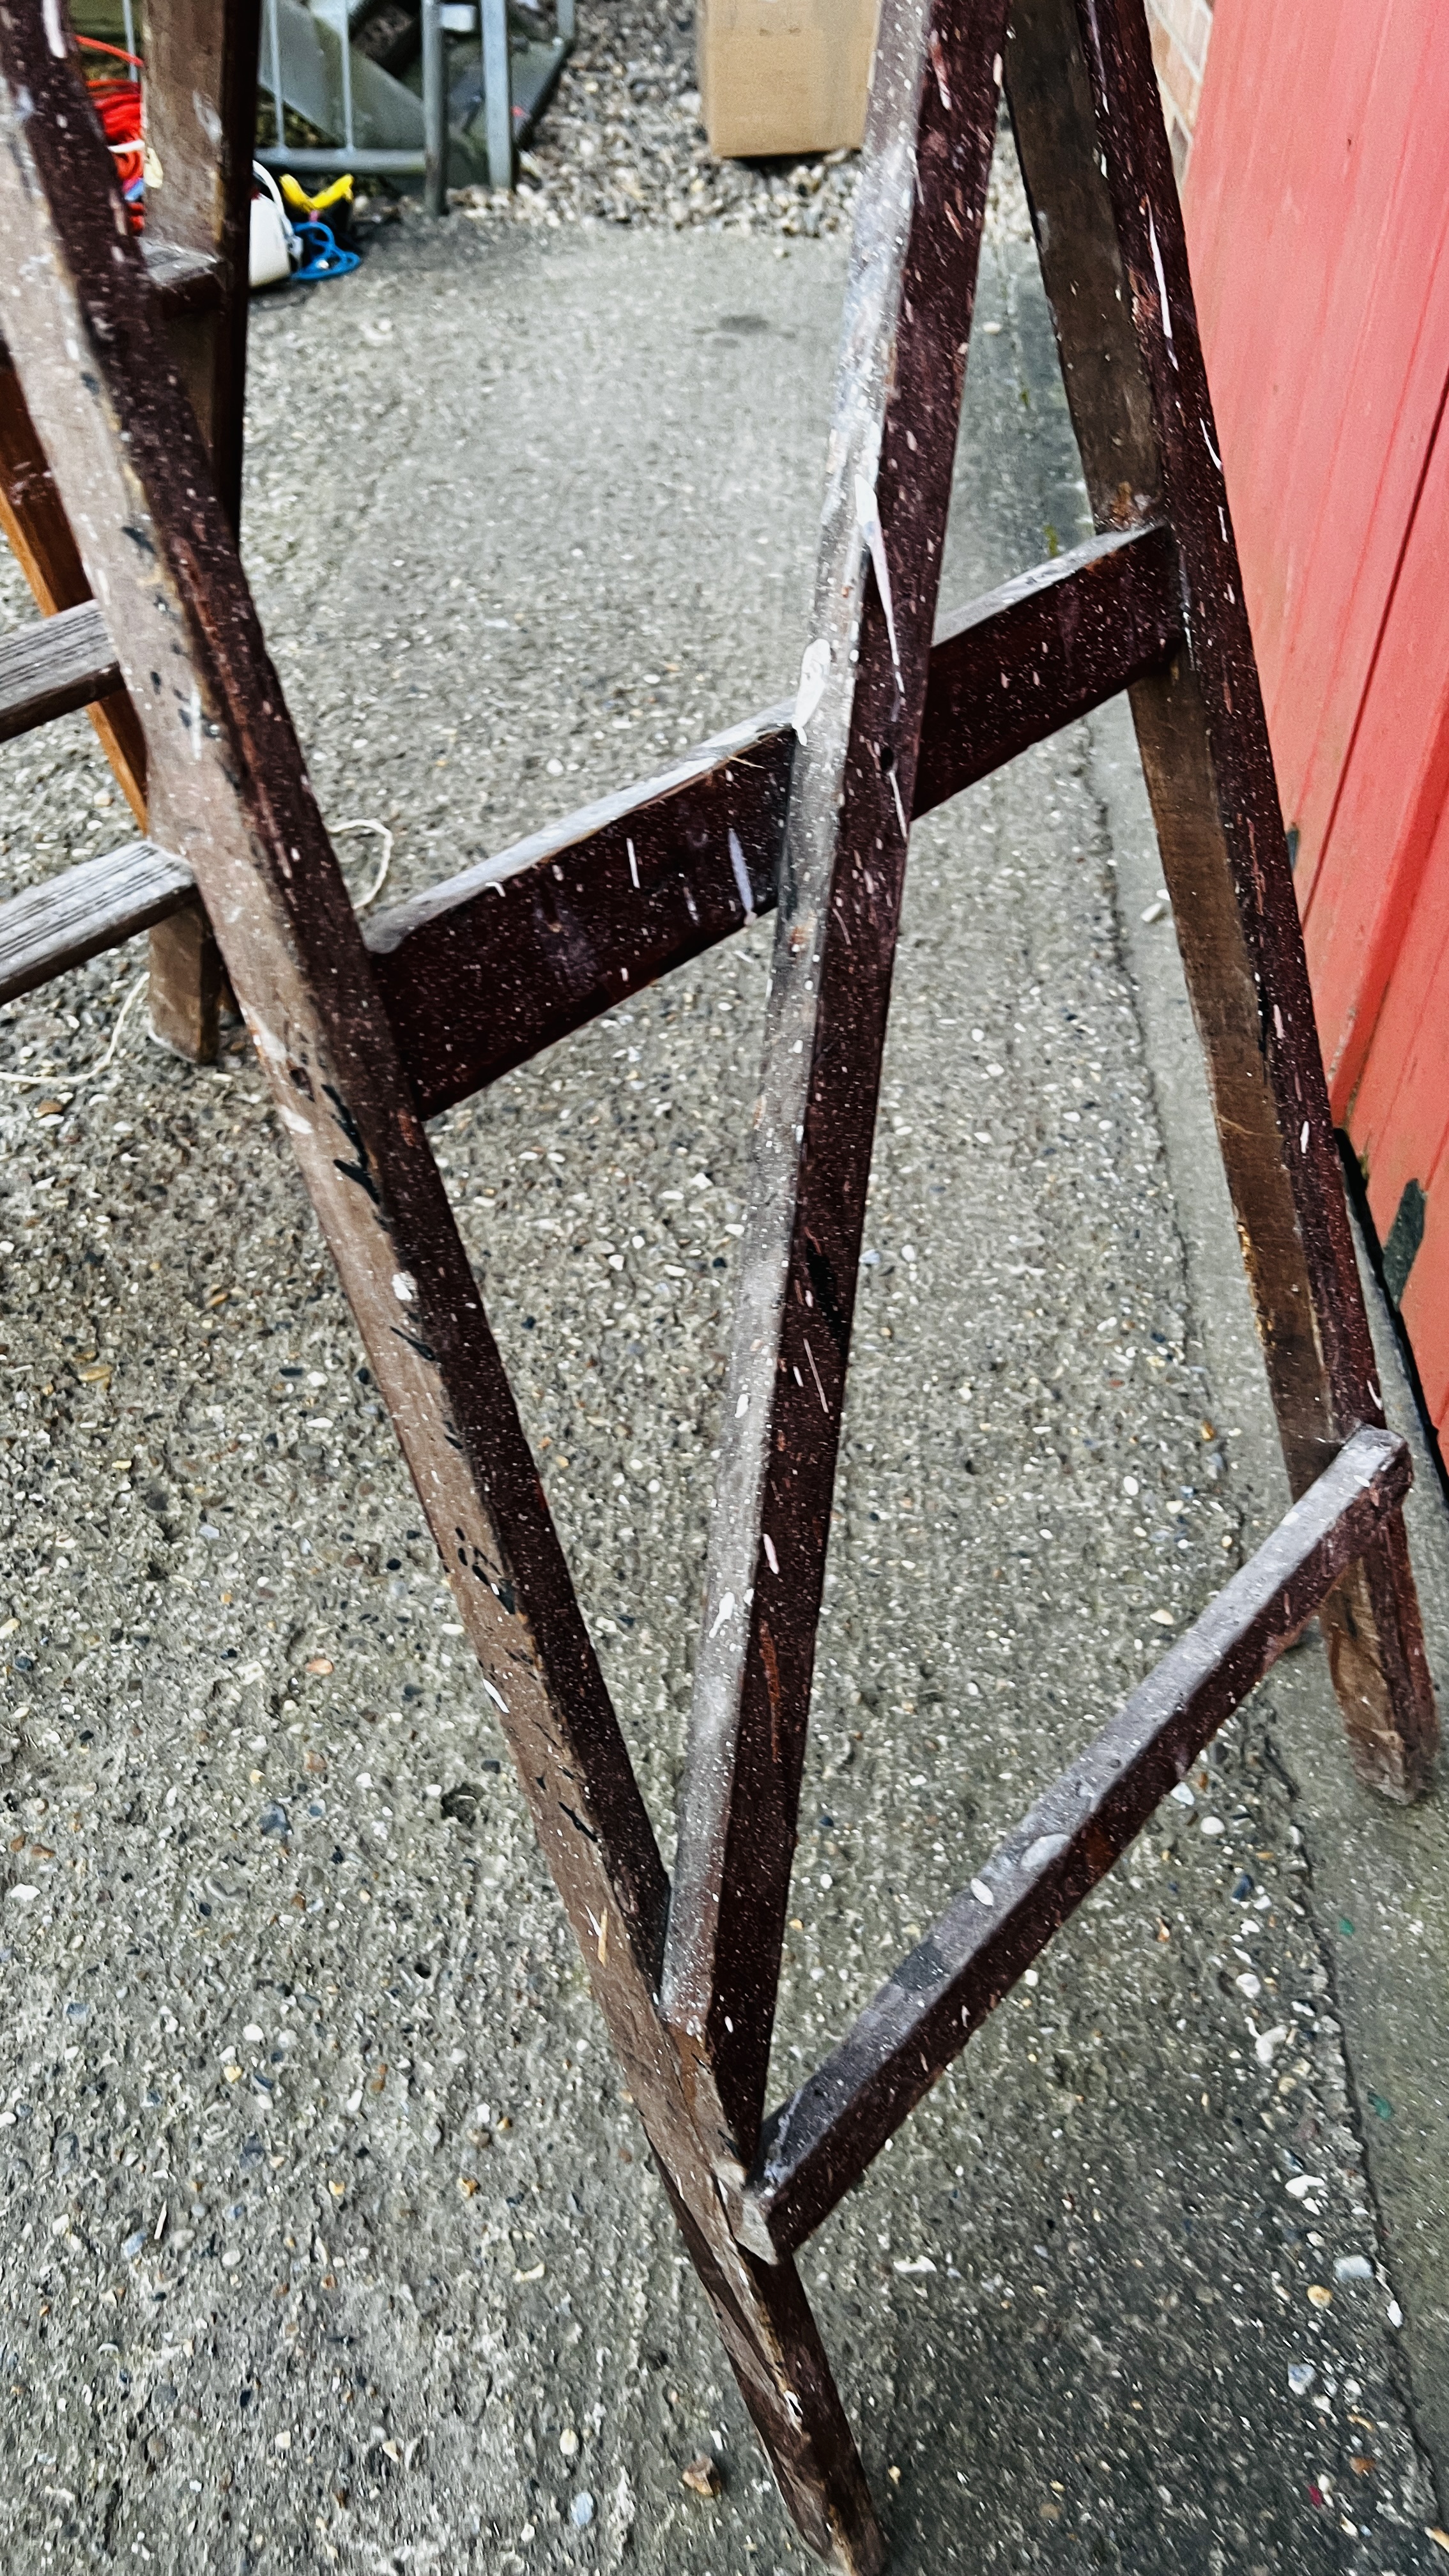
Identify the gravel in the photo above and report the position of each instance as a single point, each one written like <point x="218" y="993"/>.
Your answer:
<point x="328" y="2237"/>
<point x="621" y="142"/>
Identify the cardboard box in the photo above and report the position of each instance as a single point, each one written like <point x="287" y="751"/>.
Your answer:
<point x="784" y="76"/>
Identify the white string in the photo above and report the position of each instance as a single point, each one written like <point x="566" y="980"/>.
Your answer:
<point x="363" y="824"/>
<point x="73" y="1081"/>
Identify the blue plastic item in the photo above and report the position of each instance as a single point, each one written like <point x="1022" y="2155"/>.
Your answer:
<point x="323" y="258"/>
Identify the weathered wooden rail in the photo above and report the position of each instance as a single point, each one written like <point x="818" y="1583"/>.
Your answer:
<point x="363" y="1035"/>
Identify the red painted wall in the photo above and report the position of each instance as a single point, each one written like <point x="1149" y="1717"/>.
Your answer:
<point x="1317" y="209"/>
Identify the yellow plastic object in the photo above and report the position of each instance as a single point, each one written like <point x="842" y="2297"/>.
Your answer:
<point x="310" y="207"/>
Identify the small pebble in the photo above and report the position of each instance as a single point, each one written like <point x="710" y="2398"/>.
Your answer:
<point x="1301" y="2376"/>
<point x="702" y="2476"/>
<point x="581" y="2511"/>
<point x="568" y="2442"/>
<point x="1353" y="2267"/>
<point x="1212" y="1825"/>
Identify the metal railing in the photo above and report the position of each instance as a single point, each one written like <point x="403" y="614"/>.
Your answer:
<point x="378" y="126"/>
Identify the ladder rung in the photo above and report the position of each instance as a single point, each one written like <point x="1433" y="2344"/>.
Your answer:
<point x="482" y="971"/>
<point x="73" y="916"/>
<point x="186" y="281"/>
<point x="819" y="2143"/>
<point x="53" y="666"/>
<point x="540" y="940"/>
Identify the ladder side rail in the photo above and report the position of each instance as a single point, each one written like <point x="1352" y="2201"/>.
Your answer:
<point x="231" y="792"/>
<point x="890" y="458"/>
<point x="1104" y="204"/>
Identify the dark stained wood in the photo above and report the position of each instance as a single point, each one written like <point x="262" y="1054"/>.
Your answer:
<point x="820" y="2142"/>
<point x="481" y="972"/>
<point x="1109" y="232"/>
<point x="186" y="281"/>
<point x="231" y="793"/>
<point x="538" y="941"/>
<point x="201" y="112"/>
<point x="73" y="916"/>
<point x="890" y="457"/>
<point x="1041" y="651"/>
<point x="485" y="969"/>
<point x="54" y="666"/>
<point x="195" y="254"/>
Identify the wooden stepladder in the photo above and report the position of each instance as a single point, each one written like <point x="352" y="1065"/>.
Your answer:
<point x="200" y="80"/>
<point x="364" y="1035"/>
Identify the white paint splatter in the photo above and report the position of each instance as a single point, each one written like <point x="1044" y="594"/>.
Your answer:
<point x="874" y="536"/>
<point x="938" y="66"/>
<point x="723" y="1614"/>
<point x="1161" y="286"/>
<point x="982" y="1892"/>
<point x="54" y="31"/>
<point x="404" y="1287"/>
<point x="1046" y="1847"/>
<point x="495" y="1695"/>
<point x="743" y="887"/>
<point x="633" y="865"/>
<point x="814" y="666"/>
<point x="771" y="1559"/>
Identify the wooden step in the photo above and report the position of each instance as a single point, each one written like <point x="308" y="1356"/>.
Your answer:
<point x="53" y="666"/>
<point x="74" y="915"/>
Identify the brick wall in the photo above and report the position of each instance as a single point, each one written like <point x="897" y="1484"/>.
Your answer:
<point x="1180" y="32"/>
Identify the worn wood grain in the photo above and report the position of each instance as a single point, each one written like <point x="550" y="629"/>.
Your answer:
<point x="1109" y="233"/>
<point x="54" y="666"/>
<point x="34" y="525"/>
<point x="85" y="909"/>
<point x="486" y="968"/>
<point x="201" y="112"/>
<point x="231" y="793"/>
<point x="889" y="463"/>
<point x="558" y="929"/>
<point x="819" y="2143"/>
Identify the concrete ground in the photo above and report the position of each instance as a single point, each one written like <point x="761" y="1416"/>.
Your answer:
<point x="328" y="2238"/>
